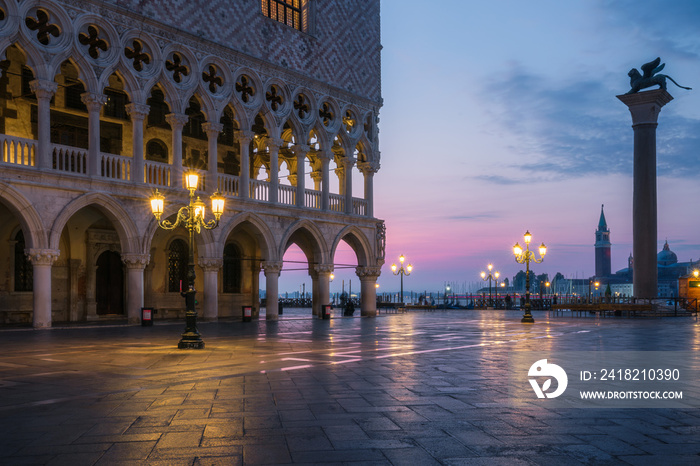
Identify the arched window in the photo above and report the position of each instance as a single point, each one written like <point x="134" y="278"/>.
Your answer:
<point x="157" y="151"/>
<point x="232" y="269"/>
<point x="178" y="255"/>
<point x="24" y="273"/>
<point x="158" y="109"/>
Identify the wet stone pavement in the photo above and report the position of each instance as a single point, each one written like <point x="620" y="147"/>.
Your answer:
<point x="403" y="389"/>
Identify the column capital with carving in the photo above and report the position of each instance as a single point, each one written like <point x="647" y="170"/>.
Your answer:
<point x="43" y="89"/>
<point x="138" y="111"/>
<point x="274" y="143"/>
<point x="213" y="128"/>
<point x="274" y="267"/>
<point x="211" y="264"/>
<point x="42" y="256"/>
<point x="177" y="120"/>
<point x="93" y="101"/>
<point x="324" y="268"/>
<point x="136" y="261"/>
<point x="300" y="150"/>
<point x="368" y="168"/>
<point x="368" y="273"/>
<point x="244" y="136"/>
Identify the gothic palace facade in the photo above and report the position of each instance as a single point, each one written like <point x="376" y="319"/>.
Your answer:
<point x="275" y="102"/>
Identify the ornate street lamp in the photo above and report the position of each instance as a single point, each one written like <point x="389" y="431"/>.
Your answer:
<point x="489" y="277"/>
<point x="591" y="282"/>
<point x="192" y="218"/>
<point x="402" y="271"/>
<point x="524" y="257"/>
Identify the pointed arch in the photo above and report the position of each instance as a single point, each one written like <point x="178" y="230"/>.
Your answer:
<point x="265" y="236"/>
<point x="310" y="240"/>
<point x="129" y="236"/>
<point x="359" y="243"/>
<point x="28" y="217"/>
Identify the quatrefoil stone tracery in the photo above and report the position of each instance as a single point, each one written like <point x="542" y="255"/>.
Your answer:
<point x="246" y="91"/>
<point x="93" y="41"/>
<point x="44" y="29"/>
<point x="137" y="55"/>
<point x="212" y="78"/>
<point x="177" y="67"/>
<point x="274" y="98"/>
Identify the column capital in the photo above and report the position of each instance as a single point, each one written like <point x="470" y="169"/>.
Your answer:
<point x="324" y="268"/>
<point x="43" y="89"/>
<point x="316" y="175"/>
<point x="210" y="264"/>
<point x="244" y="136"/>
<point x="348" y="161"/>
<point x="300" y="150"/>
<point x="368" y="168"/>
<point x="273" y="267"/>
<point x="136" y="261"/>
<point x="212" y="129"/>
<point x="274" y="143"/>
<point x="368" y="273"/>
<point x="138" y="111"/>
<point x="42" y="256"/>
<point x="177" y="120"/>
<point x="326" y="155"/>
<point x="93" y="101"/>
<point x="646" y="106"/>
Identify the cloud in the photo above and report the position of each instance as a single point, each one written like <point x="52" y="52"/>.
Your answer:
<point x="476" y="216"/>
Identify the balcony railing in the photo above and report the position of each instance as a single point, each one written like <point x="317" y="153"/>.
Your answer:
<point x="23" y="152"/>
<point x="69" y="159"/>
<point x="116" y="167"/>
<point x="17" y="151"/>
<point x="287" y="194"/>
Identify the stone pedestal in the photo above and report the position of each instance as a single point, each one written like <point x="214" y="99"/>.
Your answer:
<point x="645" y="108"/>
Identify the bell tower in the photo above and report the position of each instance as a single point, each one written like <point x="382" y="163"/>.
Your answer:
<point x="602" y="247"/>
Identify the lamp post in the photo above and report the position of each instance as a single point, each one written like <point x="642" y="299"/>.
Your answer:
<point x="591" y="282"/>
<point x="489" y="277"/>
<point x="192" y="218"/>
<point x="524" y="257"/>
<point x="402" y="271"/>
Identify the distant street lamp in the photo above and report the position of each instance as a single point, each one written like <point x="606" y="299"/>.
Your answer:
<point x="192" y="218"/>
<point x="489" y="277"/>
<point x="591" y="282"/>
<point x="402" y="271"/>
<point x="524" y="257"/>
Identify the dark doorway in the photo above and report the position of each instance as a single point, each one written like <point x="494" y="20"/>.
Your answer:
<point x="110" y="284"/>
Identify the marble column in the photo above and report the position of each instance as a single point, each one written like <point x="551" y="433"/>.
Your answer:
<point x="177" y="121"/>
<point x="368" y="170"/>
<point x="213" y="130"/>
<point x="94" y="103"/>
<point x="272" y="275"/>
<point x="244" y="138"/>
<point x="211" y="267"/>
<point x="135" y="264"/>
<point x="300" y="150"/>
<point x="273" y="146"/>
<point x="645" y="108"/>
<point x="325" y="157"/>
<point x="44" y="91"/>
<point x="137" y="113"/>
<point x="368" y="290"/>
<point x="349" y="162"/>
<point x="42" y="260"/>
<point x="322" y="287"/>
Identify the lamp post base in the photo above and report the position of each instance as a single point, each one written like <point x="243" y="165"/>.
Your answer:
<point x="190" y="343"/>
<point x="527" y="319"/>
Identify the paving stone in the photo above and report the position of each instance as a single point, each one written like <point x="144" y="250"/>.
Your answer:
<point x="431" y="392"/>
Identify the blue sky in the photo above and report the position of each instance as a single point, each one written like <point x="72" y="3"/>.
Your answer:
<point x="501" y="116"/>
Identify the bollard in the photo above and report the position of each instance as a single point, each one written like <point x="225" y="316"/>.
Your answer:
<point x="146" y="316"/>
<point x="326" y="311"/>
<point x="247" y="313"/>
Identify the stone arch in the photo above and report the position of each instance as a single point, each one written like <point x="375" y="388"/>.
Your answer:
<point x="359" y="243"/>
<point x="57" y="15"/>
<point x="125" y="227"/>
<point x="265" y="238"/>
<point x="257" y="99"/>
<point x="310" y="240"/>
<point x="28" y="217"/>
<point x="188" y="84"/>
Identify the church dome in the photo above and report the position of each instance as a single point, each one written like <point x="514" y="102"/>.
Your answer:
<point x="666" y="256"/>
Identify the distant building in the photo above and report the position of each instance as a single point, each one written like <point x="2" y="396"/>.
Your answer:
<point x="602" y="247"/>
